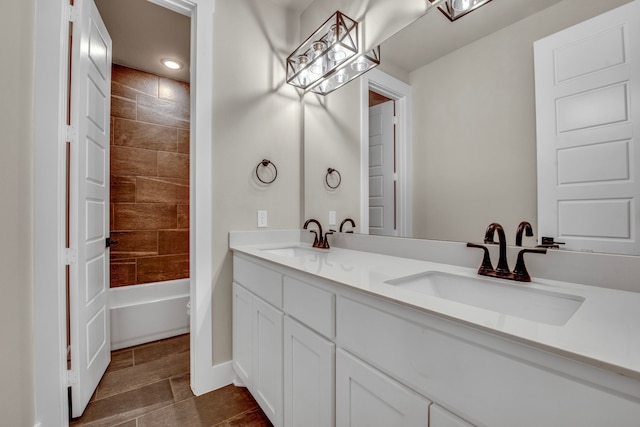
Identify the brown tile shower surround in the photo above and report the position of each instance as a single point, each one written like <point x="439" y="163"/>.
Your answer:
<point x="148" y="386"/>
<point x="149" y="178"/>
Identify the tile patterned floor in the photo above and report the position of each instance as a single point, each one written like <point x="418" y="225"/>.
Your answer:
<point x="148" y="386"/>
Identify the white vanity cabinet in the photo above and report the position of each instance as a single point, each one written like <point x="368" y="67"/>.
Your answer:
<point x="258" y="335"/>
<point x="365" y="397"/>
<point x="309" y="355"/>
<point x="324" y="353"/>
<point x="483" y="378"/>
<point x="308" y="377"/>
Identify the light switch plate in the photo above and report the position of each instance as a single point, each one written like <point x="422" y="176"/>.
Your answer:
<point x="262" y="219"/>
<point x="332" y="217"/>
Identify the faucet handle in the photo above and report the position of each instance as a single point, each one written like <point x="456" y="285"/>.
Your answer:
<point x="345" y="221"/>
<point x="485" y="267"/>
<point x="520" y="271"/>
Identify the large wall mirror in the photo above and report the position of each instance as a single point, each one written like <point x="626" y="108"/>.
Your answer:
<point x="466" y="154"/>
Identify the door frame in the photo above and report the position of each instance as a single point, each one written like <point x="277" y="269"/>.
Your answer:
<point x="49" y="309"/>
<point x="400" y="92"/>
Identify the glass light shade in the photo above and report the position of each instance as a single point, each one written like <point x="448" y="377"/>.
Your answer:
<point x="461" y="5"/>
<point x="327" y="49"/>
<point x="349" y="71"/>
<point x="454" y="9"/>
<point x="317" y="59"/>
<point x="335" y="35"/>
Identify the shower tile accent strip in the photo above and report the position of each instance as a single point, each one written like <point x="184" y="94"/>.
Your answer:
<point x="149" y="177"/>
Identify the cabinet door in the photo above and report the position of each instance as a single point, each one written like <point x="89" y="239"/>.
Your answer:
<point x="242" y="334"/>
<point x="309" y="367"/>
<point x="440" y="417"/>
<point x="366" y="397"/>
<point x="267" y="359"/>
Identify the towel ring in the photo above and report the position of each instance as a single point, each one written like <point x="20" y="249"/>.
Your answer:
<point x="330" y="171"/>
<point x="265" y="163"/>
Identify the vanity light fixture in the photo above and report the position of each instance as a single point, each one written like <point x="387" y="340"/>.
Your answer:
<point x="172" y="64"/>
<point x="349" y="71"/>
<point x="454" y="9"/>
<point x="330" y="57"/>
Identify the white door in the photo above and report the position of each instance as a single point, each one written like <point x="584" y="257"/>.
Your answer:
<point x="440" y="417"/>
<point x="587" y="82"/>
<point x="382" y="176"/>
<point x="89" y="203"/>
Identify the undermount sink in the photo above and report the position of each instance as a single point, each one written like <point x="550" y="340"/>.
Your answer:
<point x="517" y="300"/>
<point x="291" y="251"/>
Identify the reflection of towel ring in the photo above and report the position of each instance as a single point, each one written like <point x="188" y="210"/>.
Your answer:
<point x="265" y="163"/>
<point x="330" y="171"/>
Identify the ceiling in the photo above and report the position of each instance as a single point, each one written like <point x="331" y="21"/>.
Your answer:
<point x="143" y="33"/>
<point x="434" y="35"/>
<point x="297" y="5"/>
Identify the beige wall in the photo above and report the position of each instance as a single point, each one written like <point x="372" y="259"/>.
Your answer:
<point x="379" y="19"/>
<point x="256" y="116"/>
<point x="16" y="172"/>
<point x="474" y="129"/>
<point x="332" y="140"/>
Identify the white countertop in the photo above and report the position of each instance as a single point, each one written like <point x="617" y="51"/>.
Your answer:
<point x="604" y="331"/>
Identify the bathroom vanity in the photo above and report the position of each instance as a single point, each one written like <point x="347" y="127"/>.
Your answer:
<point x="352" y="338"/>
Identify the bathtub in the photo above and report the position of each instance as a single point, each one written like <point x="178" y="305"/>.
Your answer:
<point x="149" y="312"/>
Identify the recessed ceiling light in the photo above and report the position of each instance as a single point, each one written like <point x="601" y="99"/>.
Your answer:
<point x="172" y="64"/>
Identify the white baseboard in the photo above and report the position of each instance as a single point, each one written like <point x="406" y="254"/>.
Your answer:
<point x="145" y="313"/>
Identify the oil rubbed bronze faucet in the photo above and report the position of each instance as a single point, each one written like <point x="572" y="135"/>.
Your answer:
<point x="525" y="227"/>
<point x="320" y="241"/>
<point x="503" y="267"/>
<point x="502" y="271"/>
<point x="346" y="220"/>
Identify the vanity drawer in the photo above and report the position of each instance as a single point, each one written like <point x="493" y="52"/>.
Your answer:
<point x="312" y="306"/>
<point x="262" y="281"/>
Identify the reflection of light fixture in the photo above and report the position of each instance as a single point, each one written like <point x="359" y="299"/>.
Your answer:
<point x="330" y="57"/>
<point x="461" y="5"/>
<point x="349" y="71"/>
<point x="172" y="64"/>
<point x="454" y="9"/>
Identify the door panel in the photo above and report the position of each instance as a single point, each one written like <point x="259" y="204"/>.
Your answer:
<point x="382" y="210"/>
<point x="587" y="81"/>
<point x="309" y="372"/>
<point x="365" y="397"/>
<point x="89" y="200"/>
<point x="267" y="369"/>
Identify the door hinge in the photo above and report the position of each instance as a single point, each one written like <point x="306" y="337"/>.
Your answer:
<point x="70" y="256"/>
<point x="73" y="12"/>
<point x="395" y="176"/>
<point x="72" y="134"/>
<point x="72" y="378"/>
<point x="395" y="120"/>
